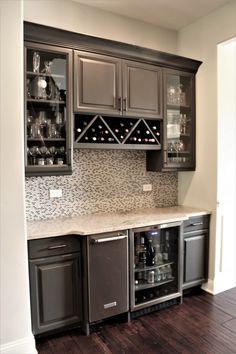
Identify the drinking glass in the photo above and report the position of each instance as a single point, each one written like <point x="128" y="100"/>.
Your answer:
<point x="36" y="62"/>
<point x="47" y="67"/>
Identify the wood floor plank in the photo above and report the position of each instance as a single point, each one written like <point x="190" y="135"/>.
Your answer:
<point x="203" y="324"/>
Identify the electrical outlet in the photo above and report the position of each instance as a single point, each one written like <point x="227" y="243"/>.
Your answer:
<point x="147" y="187"/>
<point x="55" y="193"/>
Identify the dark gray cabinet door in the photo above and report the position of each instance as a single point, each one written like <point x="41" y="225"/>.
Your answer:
<point x="55" y="292"/>
<point x="97" y="83"/>
<point x="195" y="258"/>
<point x="141" y="90"/>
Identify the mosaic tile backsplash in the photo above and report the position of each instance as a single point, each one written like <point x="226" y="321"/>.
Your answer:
<point x="102" y="181"/>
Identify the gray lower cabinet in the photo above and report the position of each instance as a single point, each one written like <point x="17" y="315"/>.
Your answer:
<point x="55" y="284"/>
<point x="196" y="250"/>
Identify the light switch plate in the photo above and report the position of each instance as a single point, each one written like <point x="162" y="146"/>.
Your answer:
<point x="147" y="187"/>
<point x="55" y="193"/>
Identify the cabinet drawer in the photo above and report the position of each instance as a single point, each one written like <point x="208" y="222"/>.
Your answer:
<point x="53" y="246"/>
<point x="196" y="223"/>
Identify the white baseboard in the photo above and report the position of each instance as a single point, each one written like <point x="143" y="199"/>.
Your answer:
<point x="21" y="346"/>
<point x="221" y="283"/>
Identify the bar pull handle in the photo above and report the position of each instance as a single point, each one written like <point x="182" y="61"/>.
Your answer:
<point x="125" y="104"/>
<point x="119" y="104"/>
<point x="55" y="247"/>
<point x="196" y="224"/>
<point x="108" y="239"/>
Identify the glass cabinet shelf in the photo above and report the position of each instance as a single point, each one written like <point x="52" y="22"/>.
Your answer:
<point x="31" y="73"/>
<point x="45" y="101"/>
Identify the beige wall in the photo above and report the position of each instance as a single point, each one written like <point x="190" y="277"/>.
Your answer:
<point x="71" y="16"/>
<point x="16" y="336"/>
<point x="199" y="40"/>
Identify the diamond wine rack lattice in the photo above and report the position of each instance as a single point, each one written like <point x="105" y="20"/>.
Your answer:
<point x="116" y="133"/>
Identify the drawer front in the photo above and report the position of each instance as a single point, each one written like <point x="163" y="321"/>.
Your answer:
<point x="196" y="223"/>
<point x="53" y="246"/>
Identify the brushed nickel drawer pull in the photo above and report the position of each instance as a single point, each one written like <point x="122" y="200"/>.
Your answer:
<point x="55" y="247"/>
<point x="197" y="224"/>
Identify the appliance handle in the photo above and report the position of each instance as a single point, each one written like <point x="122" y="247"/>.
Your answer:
<point x="108" y="239"/>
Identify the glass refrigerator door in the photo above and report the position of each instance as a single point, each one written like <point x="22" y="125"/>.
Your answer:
<point x="156" y="265"/>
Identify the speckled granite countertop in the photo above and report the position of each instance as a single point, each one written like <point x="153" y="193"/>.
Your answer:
<point x="106" y="222"/>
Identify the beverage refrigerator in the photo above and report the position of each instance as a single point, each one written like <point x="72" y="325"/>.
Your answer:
<point x="156" y="266"/>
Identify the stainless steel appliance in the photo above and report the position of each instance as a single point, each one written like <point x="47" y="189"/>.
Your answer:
<point x="107" y="269"/>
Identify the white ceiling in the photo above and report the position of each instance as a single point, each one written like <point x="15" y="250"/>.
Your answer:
<point x="172" y="14"/>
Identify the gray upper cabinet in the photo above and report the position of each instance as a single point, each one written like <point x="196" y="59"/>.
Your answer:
<point x="141" y="90"/>
<point x="178" y="144"/>
<point x="48" y="109"/>
<point x="97" y="83"/>
<point x="111" y="86"/>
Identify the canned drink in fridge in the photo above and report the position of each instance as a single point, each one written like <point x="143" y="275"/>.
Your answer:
<point x="151" y="277"/>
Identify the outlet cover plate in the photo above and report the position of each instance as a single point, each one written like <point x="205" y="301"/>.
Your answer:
<point x="147" y="187"/>
<point x="55" y="193"/>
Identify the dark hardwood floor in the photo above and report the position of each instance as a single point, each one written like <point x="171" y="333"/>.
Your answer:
<point x="202" y="324"/>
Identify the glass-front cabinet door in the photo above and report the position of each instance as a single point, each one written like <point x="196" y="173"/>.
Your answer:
<point x="179" y="130"/>
<point x="47" y="110"/>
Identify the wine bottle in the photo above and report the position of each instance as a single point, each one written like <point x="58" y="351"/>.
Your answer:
<point x="142" y="253"/>
<point x="166" y="248"/>
<point x="150" y="253"/>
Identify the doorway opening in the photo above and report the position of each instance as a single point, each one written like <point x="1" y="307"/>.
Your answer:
<point x="226" y="170"/>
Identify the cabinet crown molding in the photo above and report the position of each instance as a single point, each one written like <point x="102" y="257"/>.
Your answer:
<point x="54" y="36"/>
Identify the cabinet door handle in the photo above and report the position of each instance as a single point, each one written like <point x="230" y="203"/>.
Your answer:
<point x="55" y="247"/>
<point x="125" y="104"/>
<point x="196" y="224"/>
<point x="108" y="239"/>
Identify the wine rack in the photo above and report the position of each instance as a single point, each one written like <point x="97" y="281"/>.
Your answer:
<point x="115" y="132"/>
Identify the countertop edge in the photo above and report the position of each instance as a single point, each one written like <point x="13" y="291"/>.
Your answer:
<point x="45" y="231"/>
